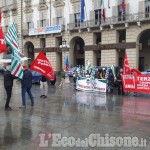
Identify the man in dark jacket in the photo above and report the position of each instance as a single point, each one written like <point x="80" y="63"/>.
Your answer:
<point x="119" y="82"/>
<point x="26" y="85"/>
<point x="8" y="84"/>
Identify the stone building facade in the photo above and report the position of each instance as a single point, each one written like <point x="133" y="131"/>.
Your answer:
<point x="44" y="24"/>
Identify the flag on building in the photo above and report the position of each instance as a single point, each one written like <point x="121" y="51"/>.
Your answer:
<point x="42" y="65"/>
<point x="2" y="42"/>
<point x="12" y="40"/>
<point x="126" y="67"/>
<point x="82" y="12"/>
<point x="122" y="6"/>
<point x="67" y="63"/>
<point x="103" y="14"/>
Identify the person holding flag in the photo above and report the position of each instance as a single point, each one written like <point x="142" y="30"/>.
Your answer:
<point x="26" y="85"/>
<point x="8" y="84"/>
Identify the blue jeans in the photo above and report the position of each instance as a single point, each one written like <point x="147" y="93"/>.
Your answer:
<point x="28" y="90"/>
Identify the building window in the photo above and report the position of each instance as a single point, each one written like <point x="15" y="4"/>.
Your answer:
<point x="147" y="8"/>
<point x="42" y="42"/>
<point x="77" y="19"/>
<point x="59" y="21"/>
<point x="28" y="3"/>
<point x="28" y="25"/>
<point x="97" y="16"/>
<point x="43" y="23"/>
<point x="121" y="13"/>
<point x="6" y="28"/>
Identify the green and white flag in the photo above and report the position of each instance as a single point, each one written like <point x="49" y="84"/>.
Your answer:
<point x="88" y="65"/>
<point x="113" y="71"/>
<point x="12" y="40"/>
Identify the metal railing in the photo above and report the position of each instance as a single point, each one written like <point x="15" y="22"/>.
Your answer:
<point x="25" y="32"/>
<point x="13" y="6"/>
<point x="5" y="8"/>
<point x="42" y="1"/>
<point x="137" y="17"/>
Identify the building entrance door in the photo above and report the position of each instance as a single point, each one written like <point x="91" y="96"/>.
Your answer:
<point x="80" y="61"/>
<point x="141" y="63"/>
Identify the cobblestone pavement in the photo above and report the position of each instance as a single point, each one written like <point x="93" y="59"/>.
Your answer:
<point x="72" y="114"/>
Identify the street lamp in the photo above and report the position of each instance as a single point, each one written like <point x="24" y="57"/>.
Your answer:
<point x="64" y="48"/>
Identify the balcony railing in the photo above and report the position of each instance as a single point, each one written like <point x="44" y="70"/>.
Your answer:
<point x="5" y="8"/>
<point x="138" y="17"/>
<point x="25" y="32"/>
<point x="27" y="3"/>
<point x="42" y="1"/>
<point x="13" y="6"/>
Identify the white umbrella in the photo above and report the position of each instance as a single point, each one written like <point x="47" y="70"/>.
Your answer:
<point x="7" y="58"/>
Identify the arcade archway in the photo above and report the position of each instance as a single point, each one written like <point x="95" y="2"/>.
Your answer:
<point x="77" y="54"/>
<point x="29" y="52"/>
<point x="144" y="50"/>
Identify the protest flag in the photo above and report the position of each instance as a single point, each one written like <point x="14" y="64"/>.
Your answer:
<point x="42" y="65"/>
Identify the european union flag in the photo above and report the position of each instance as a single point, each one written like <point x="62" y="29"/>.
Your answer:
<point x="82" y="13"/>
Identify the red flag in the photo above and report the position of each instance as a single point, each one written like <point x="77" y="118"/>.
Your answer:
<point x="126" y="67"/>
<point x="42" y="65"/>
<point x="2" y="43"/>
<point x="123" y="5"/>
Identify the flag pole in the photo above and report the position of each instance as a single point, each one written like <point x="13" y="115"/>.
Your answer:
<point x="108" y="3"/>
<point x="86" y="15"/>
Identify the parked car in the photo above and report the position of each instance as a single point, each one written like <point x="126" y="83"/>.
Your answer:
<point x="147" y="71"/>
<point x="36" y="76"/>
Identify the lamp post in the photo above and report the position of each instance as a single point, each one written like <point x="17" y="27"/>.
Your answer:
<point x="64" y="48"/>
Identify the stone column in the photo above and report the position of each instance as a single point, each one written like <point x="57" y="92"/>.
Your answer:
<point x="109" y="57"/>
<point x="133" y="57"/>
<point x="91" y="57"/>
<point x="52" y="58"/>
<point x="19" y="23"/>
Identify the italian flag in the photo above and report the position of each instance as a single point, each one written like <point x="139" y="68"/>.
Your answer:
<point x="102" y="9"/>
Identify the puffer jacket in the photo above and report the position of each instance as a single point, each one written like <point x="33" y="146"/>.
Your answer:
<point x="26" y="82"/>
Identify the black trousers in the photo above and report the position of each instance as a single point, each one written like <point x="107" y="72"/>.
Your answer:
<point x="120" y="89"/>
<point x="8" y="92"/>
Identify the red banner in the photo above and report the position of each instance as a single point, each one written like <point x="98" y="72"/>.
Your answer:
<point x="126" y="67"/>
<point x="2" y="43"/>
<point x="42" y="65"/>
<point x="136" y="83"/>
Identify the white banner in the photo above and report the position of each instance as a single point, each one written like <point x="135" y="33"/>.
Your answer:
<point x="46" y="30"/>
<point x="90" y="84"/>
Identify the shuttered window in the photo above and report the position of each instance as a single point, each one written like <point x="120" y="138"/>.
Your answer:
<point x="97" y="16"/>
<point x="121" y="13"/>
<point x="147" y="8"/>
<point x="77" y="19"/>
<point x="43" y="23"/>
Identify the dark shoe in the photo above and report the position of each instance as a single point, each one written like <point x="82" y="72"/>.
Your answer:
<point x="32" y="105"/>
<point x="8" y="109"/>
<point x="42" y="95"/>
